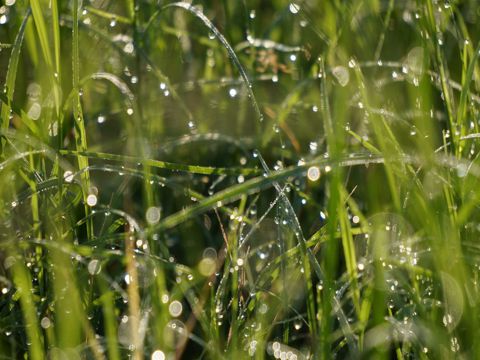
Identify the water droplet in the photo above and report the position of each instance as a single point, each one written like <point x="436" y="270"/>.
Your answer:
<point x="45" y="323"/>
<point x="253" y="14"/>
<point x="94" y="267"/>
<point x="101" y="119"/>
<point x="128" y="48"/>
<point x="313" y="173"/>
<point x="35" y="111"/>
<point x="113" y="22"/>
<point x="462" y="170"/>
<point x="191" y="126"/>
<point x="158" y="355"/>
<point x="68" y="176"/>
<point x="341" y="74"/>
<point x="211" y="35"/>
<point x="175" y="334"/>
<point x="175" y="308"/>
<point x="294" y="8"/>
<point x="313" y="146"/>
<point x="130" y="111"/>
<point x="153" y="215"/>
<point x="53" y="128"/>
<point x="232" y="92"/>
<point x="91" y="200"/>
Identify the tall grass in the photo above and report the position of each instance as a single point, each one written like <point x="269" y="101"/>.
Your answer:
<point x="239" y="179"/>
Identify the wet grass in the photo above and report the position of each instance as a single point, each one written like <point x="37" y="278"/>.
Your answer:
<point x="239" y="179"/>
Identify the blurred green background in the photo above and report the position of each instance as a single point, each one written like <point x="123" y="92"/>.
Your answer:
<point x="239" y="179"/>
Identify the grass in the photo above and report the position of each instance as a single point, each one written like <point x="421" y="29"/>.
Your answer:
<point x="239" y="179"/>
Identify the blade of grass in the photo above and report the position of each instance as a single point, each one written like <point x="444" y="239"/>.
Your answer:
<point x="12" y="74"/>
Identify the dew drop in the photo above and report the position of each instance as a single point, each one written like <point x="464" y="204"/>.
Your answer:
<point x="341" y="74"/>
<point x="294" y="8"/>
<point x="94" y="267"/>
<point x="35" y="111"/>
<point x="128" y="48"/>
<point x="45" y="323"/>
<point x="175" y="308"/>
<point x="313" y="173"/>
<point x="153" y="215"/>
<point x="191" y="126"/>
<point x="91" y="200"/>
<point x="68" y="176"/>
<point x="158" y="355"/>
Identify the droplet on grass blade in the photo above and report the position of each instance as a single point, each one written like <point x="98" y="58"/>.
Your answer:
<point x="158" y="355"/>
<point x="35" y="111"/>
<point x="175" y="308"/>
<point x="91" y="200"/>
<point x="94" y="267"/>
<point x="68" y="176"/>
<point x="294" y="8"/>
<point x="45" y="323"/>
<point x="153" y="215"/>
<point x="341" y="74"/>
<point x="175" y="334"/>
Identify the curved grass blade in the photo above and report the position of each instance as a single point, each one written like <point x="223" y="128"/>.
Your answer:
<point x="12" y="74"/>
<point x="193" y="169"/>
<point x="199" y="14"/>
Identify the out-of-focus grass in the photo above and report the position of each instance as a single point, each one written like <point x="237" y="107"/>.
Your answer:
<point x="239" y="179"/>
